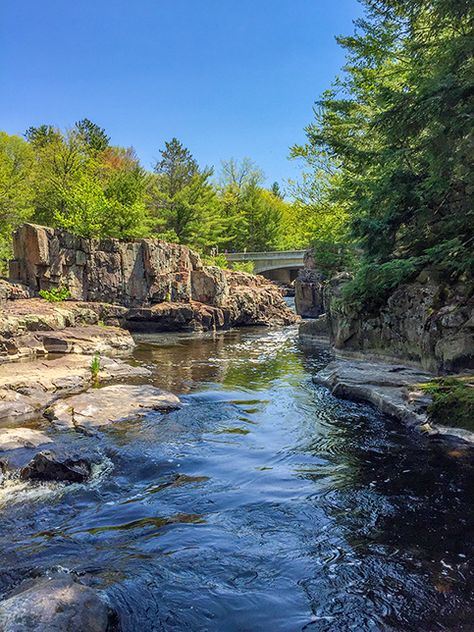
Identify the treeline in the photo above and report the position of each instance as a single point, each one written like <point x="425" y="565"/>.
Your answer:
<point x="391" y="148"/>
<point x="79" y="181"/>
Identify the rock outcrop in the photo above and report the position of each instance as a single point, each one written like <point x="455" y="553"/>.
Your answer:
<point x="26" y="389"/>
<point x="393" y="389"/>
<point x="165" y="282"/>
<point x="427" y="322"/>
<point x="103" y="406"/>
<point x="55" y="605"/>
<point x="309" y="286"/>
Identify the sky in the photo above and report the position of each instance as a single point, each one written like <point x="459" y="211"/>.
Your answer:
<point x="229" y="78"/>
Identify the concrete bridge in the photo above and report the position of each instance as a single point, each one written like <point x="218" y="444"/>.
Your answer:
<point x="282" y="265"/>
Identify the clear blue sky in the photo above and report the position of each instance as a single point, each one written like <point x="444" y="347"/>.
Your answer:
<point x="227" y="77"/>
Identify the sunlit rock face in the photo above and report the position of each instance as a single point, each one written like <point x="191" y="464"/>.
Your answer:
<point x="143" y="274"/>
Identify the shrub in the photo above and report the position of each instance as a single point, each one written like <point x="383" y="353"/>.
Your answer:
<point x="243" y="266"/>
<point x="453" y="401"/>
<point x="95" y="368"/>
<point x="55" y="294"/>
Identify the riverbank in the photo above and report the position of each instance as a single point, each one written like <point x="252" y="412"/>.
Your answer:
<point x="257" y="468"/>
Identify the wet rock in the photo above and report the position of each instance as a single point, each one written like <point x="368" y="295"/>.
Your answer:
<point x="55" y="605"/>
<point x="391" y="388"/>
<point x="52" y="465"/>
<point x="27" y="388"/>
<point x="98" y="407"/>
<point x="314" y="329"/>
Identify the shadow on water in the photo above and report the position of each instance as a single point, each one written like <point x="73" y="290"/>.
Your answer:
<point x="263" y="504"/>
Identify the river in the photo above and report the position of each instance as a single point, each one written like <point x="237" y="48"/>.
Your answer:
<point x="264" y="504"/>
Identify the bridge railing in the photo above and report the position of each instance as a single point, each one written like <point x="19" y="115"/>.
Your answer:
<point x="274" y="254"/>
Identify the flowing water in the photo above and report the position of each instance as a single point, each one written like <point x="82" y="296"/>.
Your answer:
<point x="263" y="504"/>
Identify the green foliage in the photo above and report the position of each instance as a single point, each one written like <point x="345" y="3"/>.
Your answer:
<point x="95" y="368"/>
<point x="453" y="401"/>
<point x="373" y="282"/>
<point x="396" y="131"/>
<point x="219" y="260"/>
<point x="332" y="257"/>
<point x="55" y="294"/>
<point x="243" y="266"/>
<point x="16" y="197"/>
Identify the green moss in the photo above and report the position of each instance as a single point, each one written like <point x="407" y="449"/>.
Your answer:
<point x="453" y="401"/>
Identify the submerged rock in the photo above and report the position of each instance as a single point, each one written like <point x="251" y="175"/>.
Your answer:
<point x="55" y="605"/>
<point x="98" y="407"/>
<point x="52" y="465"/>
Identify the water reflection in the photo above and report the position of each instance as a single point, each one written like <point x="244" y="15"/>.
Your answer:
<point x="263" y="504"/>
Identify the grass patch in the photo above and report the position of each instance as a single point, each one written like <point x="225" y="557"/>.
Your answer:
<point x="453" y="401"/>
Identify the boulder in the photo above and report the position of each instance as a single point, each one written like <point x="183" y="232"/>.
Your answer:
<point x="55" y="605"/>
<point x="309" y="300"/>
<point x="53" y="465"/>
<point x="103" y="406"/>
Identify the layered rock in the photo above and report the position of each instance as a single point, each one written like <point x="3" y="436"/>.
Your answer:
<point x="426" y="322"/>
<point x="26" y="389"/>
<point x="165" y="282"/>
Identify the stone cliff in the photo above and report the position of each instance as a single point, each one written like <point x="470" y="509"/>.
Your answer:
<point x="146" y="284"/>
<point x="427" y="322"/>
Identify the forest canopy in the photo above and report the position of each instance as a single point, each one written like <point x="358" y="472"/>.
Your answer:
<point x="77" y="180"/>
<point x="392" y="143"/>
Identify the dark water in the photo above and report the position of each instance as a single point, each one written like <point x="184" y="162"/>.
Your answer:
<point x="264" y="504"/>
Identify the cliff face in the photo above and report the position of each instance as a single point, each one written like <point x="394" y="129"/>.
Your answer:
<point x="163" y="285"/>
<point x="426" y="322"/>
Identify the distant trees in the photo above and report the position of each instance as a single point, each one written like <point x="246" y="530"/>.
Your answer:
<point x="77" y="180"/>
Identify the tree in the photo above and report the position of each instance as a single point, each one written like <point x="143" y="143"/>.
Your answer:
<point x="398" y="129"/>
<point x="16" y="196"/>
<point x="93" y="136"/>
<point x="183" y="200"/>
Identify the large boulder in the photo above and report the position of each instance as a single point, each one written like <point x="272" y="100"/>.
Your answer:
<point x="103" y="406"/>
<point x="55" y="605"/>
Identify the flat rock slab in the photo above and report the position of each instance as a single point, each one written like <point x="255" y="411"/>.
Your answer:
<point x="15" y="438"/>
<point x="102" y="406"/>
<point x="55" y="605"/>
<point x="88" y="340"/>
<point x="27" y="388"/>
<point x="391" y="388"/>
